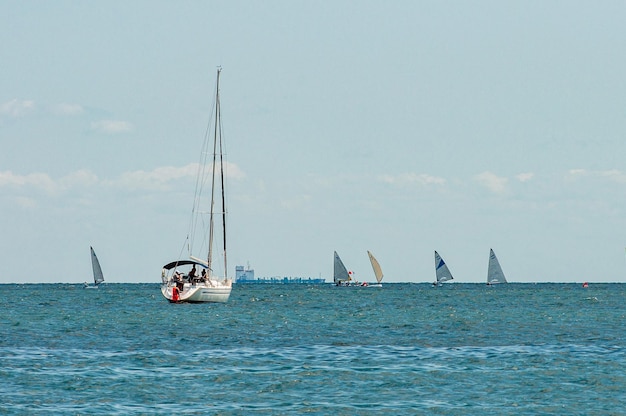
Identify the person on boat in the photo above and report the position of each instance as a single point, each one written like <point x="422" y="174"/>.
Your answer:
<point x="192" y="273"/>
<point x="178" y="278"/>
<point x="203" y="275"/>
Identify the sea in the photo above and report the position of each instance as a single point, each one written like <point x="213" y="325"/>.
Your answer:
<point x="283" y="349"/>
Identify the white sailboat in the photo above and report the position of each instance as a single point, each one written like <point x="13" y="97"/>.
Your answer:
<point x="206" y="285"/>
<point x="441" y="271"/>
<point x="494" y="272"/>
<point x="98" y="276"/>
<point x="378" y="272"/>
<point x="341" y="277"/>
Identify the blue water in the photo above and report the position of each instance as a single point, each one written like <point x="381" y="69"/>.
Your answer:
<point x="464" y="349"/>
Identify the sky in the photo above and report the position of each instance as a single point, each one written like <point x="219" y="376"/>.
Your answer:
<point x="398" y="127"/>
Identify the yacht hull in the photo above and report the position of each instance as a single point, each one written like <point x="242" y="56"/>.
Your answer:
<point x="199" y="293"/>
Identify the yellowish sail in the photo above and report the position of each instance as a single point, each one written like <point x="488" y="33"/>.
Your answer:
<point x="378" y="272"/>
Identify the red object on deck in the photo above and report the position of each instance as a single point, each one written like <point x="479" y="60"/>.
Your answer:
<point x="175" y="296"/>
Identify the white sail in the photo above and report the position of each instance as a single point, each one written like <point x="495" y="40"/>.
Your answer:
<point x="340" y="272"/>
<point x="378" y="272"/>
<point x="441" y="269"/>
<point x="98" y="277"/>
<point x="494" y="272"/>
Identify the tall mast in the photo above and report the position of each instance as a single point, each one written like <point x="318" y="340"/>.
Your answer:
<point x="215" y="133"/>
<point x="223" y="197"/>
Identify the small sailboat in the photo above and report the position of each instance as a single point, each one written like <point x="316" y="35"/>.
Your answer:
<point x="341" y="277"/>
<point x="205" y="286"/>
<point x="494" y="272"/>
<point x="98" y="277"/>
<point x="441" y="271"/>
<point x="340" y="273"/>
<point x="378" y="272"/>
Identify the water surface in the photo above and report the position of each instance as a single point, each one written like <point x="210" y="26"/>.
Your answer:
<point x="290" y="349"/>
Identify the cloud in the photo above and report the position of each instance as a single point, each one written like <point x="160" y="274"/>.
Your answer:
<point x="111" y="126"/>
<point x="64" y="109"/>
<point x="525" y="177"/>
<point x="577" y="172"/>
<point x="36" y="180"/>
<point x="410" y="178"/>
<point x="80" y="178"/>
<point x="44" y="182"/>
<point x="19" y="108"/>
<point x="233" y="171"/>
<point x="494" y="183"/>
<point x="612" y="175"/>
<point x="160" y="178"/>
<point x="16" y="108"/>
<point x="156" y="179"/>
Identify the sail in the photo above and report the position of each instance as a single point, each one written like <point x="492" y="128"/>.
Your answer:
<point x="98" y="277"/>
<point x="441" y="269"/>
<point x="494" y="273"/>
<point x="378" y="272"/>
<point x="340" y="272"/>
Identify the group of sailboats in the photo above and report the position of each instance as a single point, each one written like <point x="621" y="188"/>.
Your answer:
<point x="201" y="288"/>
<point x="495" y="274"/>
<point x="342" y="277"/>
<point x="208" y="286"/>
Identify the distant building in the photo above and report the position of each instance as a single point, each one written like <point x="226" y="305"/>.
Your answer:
<point x="246" y="275"/>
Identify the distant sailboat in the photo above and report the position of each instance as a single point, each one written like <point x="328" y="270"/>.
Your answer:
<point x="378" y="272"/>
<point x="98" y="277"/>
<point x="341" y="277"/>
<point x="494" y="272"/>
<point x="441" y="271"/>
